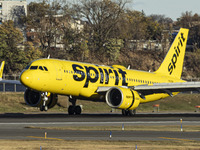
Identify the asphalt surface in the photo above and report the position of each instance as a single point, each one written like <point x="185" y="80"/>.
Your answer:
<point x="17" y="126"/>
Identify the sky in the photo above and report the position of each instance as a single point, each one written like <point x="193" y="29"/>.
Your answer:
<point x="170" y="8"/>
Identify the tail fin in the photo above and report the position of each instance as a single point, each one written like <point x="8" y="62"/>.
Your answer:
<point x="1" y="69"/>
<point x="173" y="62"/>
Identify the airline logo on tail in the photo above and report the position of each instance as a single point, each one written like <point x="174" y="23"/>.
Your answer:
<point x="172" y="64"/>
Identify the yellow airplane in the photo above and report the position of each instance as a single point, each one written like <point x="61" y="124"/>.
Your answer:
<point x="119" y="87"/>
<point x="1" y="69"/>
<point x="1" y="75"/>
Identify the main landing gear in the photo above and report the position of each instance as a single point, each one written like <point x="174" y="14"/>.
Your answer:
<point x="44" y="107"/>
<point x="128" y="112"/>
<point x="74" y="109"/>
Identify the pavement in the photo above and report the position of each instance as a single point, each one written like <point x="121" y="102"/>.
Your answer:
<point x="17" y="126"/>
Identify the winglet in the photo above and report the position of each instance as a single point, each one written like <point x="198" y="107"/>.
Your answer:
<point x="173" y="62"/>
<point x="1" y="69"/>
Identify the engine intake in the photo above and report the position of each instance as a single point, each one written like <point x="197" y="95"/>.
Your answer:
<point x="122" y="98"/>
<point x="34" y="99"/>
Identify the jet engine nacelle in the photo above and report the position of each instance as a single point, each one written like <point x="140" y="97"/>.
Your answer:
<point x="34" y="99"/>
<point x="122" y="98"/>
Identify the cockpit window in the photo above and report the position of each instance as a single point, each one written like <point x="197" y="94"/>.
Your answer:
<point x="27" y="66"/>
<point x="33" y="67"/>
<point x="45" y="68"/>
<point x="41" y="68"/>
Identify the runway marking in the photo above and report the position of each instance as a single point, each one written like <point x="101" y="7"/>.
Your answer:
<point x="37" y="137"/>
<point x="82" y="123"/>
<point x="168" y="138"/>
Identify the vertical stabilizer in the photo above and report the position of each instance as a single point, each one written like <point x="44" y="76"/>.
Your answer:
<point x="1" y="69"/>
<point x="173" y="62"/>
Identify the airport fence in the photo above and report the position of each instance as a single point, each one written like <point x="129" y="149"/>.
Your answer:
<point x="192" y="79"/>
<point x="11" y="77"/>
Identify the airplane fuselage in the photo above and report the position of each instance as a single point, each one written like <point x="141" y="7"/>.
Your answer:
<point x="82" y="79"/>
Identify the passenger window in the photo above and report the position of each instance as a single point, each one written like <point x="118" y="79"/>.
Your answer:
<point x="41" y="68"/>
<point x="45" y="68"/>
<point x="33" y="67"/>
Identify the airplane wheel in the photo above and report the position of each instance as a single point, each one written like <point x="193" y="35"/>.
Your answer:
<point x="43" y="108"/>
<point x="124" y="112"/>
<point x="77" y="110"/>
<point x="132" y="112"/>
<point x="71" y="110"/>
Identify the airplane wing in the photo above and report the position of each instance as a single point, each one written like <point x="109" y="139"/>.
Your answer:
<point x="168" y="88"/>
<point x="11" y="82"/>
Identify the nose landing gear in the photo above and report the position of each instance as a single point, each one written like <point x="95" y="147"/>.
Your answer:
<point x="44" y="107"/>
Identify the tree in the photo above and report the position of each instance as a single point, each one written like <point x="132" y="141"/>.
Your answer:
<point x="185" y="20"/>
<point x="135" y="26"/>
<point x="102" y="17"/>
<point x="154" y="30"/>
<point x="166" y="22"/>
<point x="73" y="39"/>
<point x="132" y="26"/>
<point x="45" y="20"/>
<point x="11" y="38"/>
<point x="31" y="52"/>
<point x="12" y="50"/>
<point x="192" y="22"/>
<point x="17" y="15"/>
<point x="36" y="14"/>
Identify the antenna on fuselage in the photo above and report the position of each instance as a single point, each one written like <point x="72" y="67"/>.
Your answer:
<point x="129" y="66"/>
<point x="48" y="56"/>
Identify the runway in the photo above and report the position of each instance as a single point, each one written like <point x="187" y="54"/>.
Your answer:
<point x="17" y="126"/>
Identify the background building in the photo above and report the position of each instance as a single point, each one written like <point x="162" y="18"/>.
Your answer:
<point x="12" y="10"/>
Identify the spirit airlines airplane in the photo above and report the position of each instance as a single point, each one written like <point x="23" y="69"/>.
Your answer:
<point x="119" y="87"/>
<point x="1" y="69"/>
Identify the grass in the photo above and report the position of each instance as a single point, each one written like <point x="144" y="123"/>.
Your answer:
<point x="97" y="145"/>
<point x="179" y="103"/>
<point x="14" y="103"/>
<point x="171" y="128"/>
